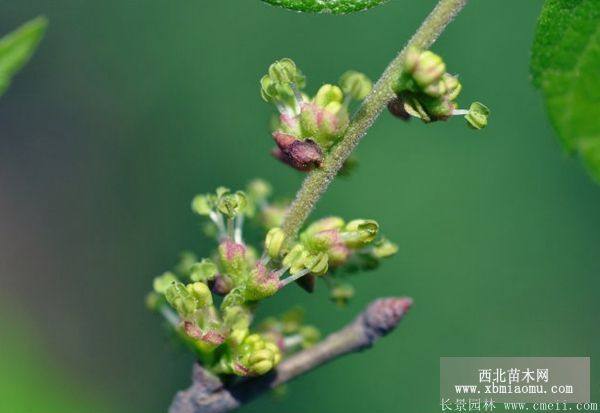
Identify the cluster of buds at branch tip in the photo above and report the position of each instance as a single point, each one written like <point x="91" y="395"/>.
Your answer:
<point x="426" y="91"/>
<point x="308" y="128"/>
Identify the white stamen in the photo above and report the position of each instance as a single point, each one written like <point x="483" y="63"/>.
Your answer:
<point x="292" y="341"/>
<point x="217" y="218"/>
<point x="459" y="112"/>
<point x="293" y="278"/>
<point x="237" y="232"/>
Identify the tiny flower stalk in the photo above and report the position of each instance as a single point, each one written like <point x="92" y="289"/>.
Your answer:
<point x="426" y="91"/>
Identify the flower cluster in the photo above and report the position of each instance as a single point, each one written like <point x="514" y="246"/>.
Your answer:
<point x="307" y="128"/>
<point x="211" y="301"/>
<point x="426" y="91"/>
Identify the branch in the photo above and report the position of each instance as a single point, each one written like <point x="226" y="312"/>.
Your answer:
<point x="208" y="394"/>
<point x="318" y="180"/>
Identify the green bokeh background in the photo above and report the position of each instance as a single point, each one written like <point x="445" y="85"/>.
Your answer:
<point x="131" y="107"/>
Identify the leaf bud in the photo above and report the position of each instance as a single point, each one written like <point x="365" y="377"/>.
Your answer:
<point x="261" y="283"/>
<point x="181" y="299"/>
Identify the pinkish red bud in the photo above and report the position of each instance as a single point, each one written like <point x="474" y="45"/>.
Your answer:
<point x="303" y="155"/>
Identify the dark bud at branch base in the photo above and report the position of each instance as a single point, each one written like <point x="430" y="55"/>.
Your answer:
<point x="396" y="108"/>
<point x="303" y="155"/>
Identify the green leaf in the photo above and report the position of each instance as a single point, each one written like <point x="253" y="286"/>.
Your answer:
<point x="326" y="6"/>
<point x="565" y="65"/>
<point x="17" y="47"/>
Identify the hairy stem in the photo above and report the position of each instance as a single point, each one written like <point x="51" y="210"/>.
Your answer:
<point x="317" y="181"/>
<point x="208" y="394"/>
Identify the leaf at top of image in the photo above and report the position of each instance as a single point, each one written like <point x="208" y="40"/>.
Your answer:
<point x="565" y="65"/>
<point x="326" y="6"/>
<point x="17" y="47"/>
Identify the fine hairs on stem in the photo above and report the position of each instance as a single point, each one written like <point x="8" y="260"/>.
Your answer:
<point x="317" y="182"/>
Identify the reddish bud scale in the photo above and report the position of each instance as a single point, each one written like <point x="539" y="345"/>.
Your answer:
<point x="302" y="155"/>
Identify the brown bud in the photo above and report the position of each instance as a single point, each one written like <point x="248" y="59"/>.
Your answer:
<point x="303" y="155"/>
<point x="396" y="108"/>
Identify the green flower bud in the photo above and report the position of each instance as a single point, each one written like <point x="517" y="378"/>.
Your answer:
<point x="204" y="270"/>
<point x="477" y="117"/>
<point x="325" y="125"/>
<point x="255" y="356"/>
<point x="317" y="264"/>
<point x="328" y="94"/>
<point x="201" y="293"/>
<point x="259" y="190"/>
<point x="296" y="258"/>
<point x="274" y="242"/>
<point x="181" y="299"/>
<point x="163" y="282"/>
<point x="320" y="241"/>
<point x="285" y="71"/>
<point x="436" y="89"/>
<point x="384" y="248"/>
<point x="342" y="293"/>
<point x="429" y="69"/>
<point x="338" y="255"/>
<point x="310" y="336"/>
<point x="203" y="204"/>
<point x="439" y="109"/>
<point x="234" y="298"/>
<point x="360" y="232"/>
<point x="237" y="318"/>
<point x="413" y="107"/>
<point x="453" y="86"/>
<point x="261" y="283"/>
<point x="233" y="260"/>
<point x="325" y="224"/>
<point x="355" y="84"/>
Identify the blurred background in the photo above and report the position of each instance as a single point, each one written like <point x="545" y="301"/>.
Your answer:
<point x="129" y="108"/>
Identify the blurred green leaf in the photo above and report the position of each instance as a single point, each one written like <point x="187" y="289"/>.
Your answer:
<point x="565" y="65"/>
<point x="17" y="47"/>
<point x="326" y="6"/>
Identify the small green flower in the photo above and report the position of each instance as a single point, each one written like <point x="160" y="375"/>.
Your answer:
<point x="163" y="282"/>
<point x="310" y="336"/>
<point x="328" y="94"/>
<point x="317" y="264"/>
<point x="342" y="293"/>
<point x="477" y="117"/>
<point x="355" y="85"/>
<point x="232" y="205"/>
<point x="285" y="71"/>
<point x="233" y="259"/>
<point x="259" y="190"/>
<point x="384" y="248"/>
<point x="360" y="232"/>
<point x="261" y="283"/>
<point x="203" y="204"/>
<point x="201" y="294"/>
<point x="204" y="271"/>
<point x="181" y="299"/>
<point x="255" y="356"/>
